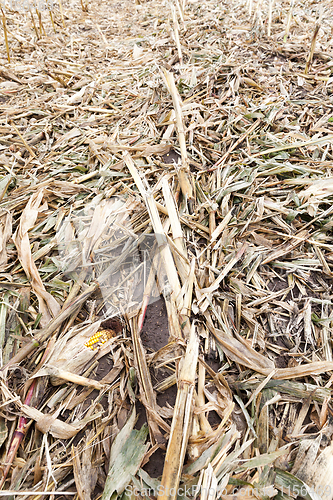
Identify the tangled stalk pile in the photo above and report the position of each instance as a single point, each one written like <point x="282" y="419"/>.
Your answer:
<point x="182" y="150"/>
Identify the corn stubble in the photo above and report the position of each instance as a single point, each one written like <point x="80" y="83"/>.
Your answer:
<point x="95" y="98"/>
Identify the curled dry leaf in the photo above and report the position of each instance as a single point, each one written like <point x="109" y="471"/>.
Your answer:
<point x="48" y="306"/>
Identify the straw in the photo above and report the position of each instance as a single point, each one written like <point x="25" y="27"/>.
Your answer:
<point x="206" y="128"/>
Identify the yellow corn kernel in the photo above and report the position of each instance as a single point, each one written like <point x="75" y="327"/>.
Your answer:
<point x="99" y="338"/>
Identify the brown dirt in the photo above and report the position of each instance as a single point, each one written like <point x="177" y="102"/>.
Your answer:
<point x="154" y="335"/>
<point x="171" y="157"/>
<point x="155" y="331"/>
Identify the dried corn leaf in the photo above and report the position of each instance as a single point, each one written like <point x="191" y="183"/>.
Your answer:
<point x="126" y="455"/>
<point x="48" y="306"/>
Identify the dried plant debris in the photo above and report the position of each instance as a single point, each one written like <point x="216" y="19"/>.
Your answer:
<point x="166" y="249"/>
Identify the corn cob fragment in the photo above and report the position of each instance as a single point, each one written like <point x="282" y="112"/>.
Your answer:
<point x="99" y="338"/>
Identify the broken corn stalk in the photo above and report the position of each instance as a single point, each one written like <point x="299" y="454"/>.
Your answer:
<point x="183" y="173"/>
<point x="181" y="422"/>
